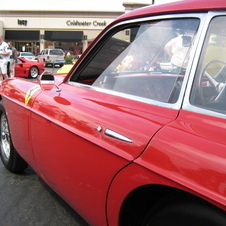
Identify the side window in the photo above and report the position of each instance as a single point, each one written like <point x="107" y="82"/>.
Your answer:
<point x="143" y="60"/>
<point x="209" y="90"/>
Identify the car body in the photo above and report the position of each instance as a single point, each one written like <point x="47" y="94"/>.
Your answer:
<point x="52" y="57"/>
<point x="67" y="66"/>
<point x="29" y="67"/>
<point x="128" y="137"/>
<point x="26" y="54"/>
<point x="65" y="69"/>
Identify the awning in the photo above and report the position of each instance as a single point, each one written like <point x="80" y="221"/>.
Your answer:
<point x="65" y="36"/>
<point x="22" y="35"/>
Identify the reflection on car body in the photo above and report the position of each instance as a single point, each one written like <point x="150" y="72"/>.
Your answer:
<point x="129" y="137"/>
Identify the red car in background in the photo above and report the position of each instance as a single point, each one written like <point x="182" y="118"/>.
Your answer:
<point x="134" y="135"/>
<point x="29" y="67"/>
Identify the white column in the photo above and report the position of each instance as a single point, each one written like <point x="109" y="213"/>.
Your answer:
<point x="84" y="45"/>
<point x="42" y="41"/>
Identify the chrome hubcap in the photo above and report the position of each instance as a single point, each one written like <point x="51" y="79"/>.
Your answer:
<point x="34" y="72"/>
<point x="5" y="136"/>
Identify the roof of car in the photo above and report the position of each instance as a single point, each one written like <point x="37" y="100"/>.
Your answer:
<point x="176" y="7"/>
<point x="26" y="53"/>
<point x="56" y="49"/>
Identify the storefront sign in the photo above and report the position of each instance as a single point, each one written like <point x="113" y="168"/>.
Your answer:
<point x="22" y="22"/>
<point x="86" y="23"/>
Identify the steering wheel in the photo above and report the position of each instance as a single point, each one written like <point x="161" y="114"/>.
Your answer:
<point x="217" y="81"/>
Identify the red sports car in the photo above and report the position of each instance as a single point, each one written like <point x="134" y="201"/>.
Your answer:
<point x="134" y="135"/>
<point x="29" y="67"/>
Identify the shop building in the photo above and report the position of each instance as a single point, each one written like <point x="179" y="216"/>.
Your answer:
<point x="33" y="31"/>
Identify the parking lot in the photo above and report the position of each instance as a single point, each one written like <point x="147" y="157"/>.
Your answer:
<point x="26" y="200"/>
<point x="52" y="69"/>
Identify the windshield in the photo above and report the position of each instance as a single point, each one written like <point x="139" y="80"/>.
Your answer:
<point x="27" y="54"/>
<point x="56" y="52"/>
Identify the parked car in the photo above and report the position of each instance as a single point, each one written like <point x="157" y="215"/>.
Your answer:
<point x="29" y="67"/>
<point x="129" y="136"/>
<point x="65" y="69"/>
<point x="26" y="54"/>
<point x="52" y="57"/>
<point x="68" y="66"/>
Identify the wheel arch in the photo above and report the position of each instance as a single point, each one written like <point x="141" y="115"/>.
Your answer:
<point x="140" y="201"/>
<point x="11" y="159"/>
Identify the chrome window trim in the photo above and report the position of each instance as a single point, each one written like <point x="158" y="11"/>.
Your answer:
<point x="178" y="104"/>
<point x="124" y="95"/>
<point x="186" y="103"/>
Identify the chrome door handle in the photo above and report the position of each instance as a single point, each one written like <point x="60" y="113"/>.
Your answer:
<point x="118" y="136"/>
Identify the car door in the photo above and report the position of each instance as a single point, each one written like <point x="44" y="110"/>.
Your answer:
<point x="17" y="100"/>
<point x="102" y="117"/>
<point x="192" y="148"/>
<point x="21" y="68"/>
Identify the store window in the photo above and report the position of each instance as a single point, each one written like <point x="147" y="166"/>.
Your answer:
<point x="33" y="47"/>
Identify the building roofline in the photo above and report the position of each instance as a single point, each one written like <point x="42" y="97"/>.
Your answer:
<point x="135" y="4"/>
<point x="61" y="11"/>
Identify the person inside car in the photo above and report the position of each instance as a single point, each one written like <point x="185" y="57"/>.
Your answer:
<point x="177" y="50"/>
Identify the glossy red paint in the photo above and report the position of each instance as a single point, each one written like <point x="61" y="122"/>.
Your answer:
<point x="22" y="68"/>
<point x="191" y="139"/>
<point x="19" y="113"/>
<point x="176" y="7"/>
<point x="136" y="176"/>
<point x="69" y="130"/>
<point x="185" y="155"/>
<point x="106" y="155"/>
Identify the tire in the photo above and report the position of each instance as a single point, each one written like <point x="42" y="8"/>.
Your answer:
<point x="33" y="72"/>
<point x="10" y="158"/>
<point x="186" y="213"/>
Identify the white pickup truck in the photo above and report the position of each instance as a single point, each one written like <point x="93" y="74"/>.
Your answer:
<point x="52" y="57"/>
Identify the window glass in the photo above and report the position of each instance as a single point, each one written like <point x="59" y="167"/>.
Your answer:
<point x="146" y="60"/>
<point x="56" y="52"/>
<point x="209" y="90"/>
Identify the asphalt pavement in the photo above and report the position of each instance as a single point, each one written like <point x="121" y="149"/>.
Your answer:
<point x="26" y="200"/>
<point x="51" y="69"/>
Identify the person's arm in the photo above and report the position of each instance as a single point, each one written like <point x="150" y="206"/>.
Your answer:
<point x="4" y="53"/>
<point x="168" y="51"/>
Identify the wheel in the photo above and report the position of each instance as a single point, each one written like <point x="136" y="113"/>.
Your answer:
<point x="215" y="82"/>
<point x="10" y="158"/>
<point x="33" y="72"/>
<point x="186" y="213"/>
